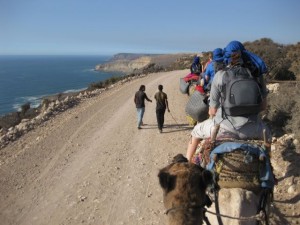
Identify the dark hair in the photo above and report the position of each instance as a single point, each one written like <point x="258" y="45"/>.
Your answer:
<point x="236" y="58"/>
<point x="142" y="88"/>
<point x="160" y="87"/>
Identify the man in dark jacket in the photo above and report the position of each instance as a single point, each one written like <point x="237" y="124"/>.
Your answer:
<point x="139" y="100"/>
<point x="161" y="106"/>
<point x="196" y="67"/>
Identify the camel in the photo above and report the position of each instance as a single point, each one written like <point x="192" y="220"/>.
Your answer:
<point x="184" y="191"/>
<point x="238" y="207"/>
<point x="185" y="186"/>
<point x="240" y="188"/>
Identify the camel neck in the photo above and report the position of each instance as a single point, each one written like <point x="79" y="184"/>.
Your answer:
<point x="185" y="217"/>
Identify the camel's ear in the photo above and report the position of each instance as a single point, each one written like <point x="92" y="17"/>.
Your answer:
<point x="207" y="177"/>
<point x="179" y="158"/>
<point x="166" y="180"/>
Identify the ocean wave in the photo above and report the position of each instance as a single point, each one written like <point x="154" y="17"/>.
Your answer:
<point x="89" y="70"/>
<point x="74" y="90"/>
<point x="34" y="101"/>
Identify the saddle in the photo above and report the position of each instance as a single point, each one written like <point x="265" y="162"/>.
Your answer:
<point x="236" y="163"/>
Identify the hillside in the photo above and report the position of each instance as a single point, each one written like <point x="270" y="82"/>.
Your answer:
<point x="145" y="63"/>
<point x="283" y="61"/>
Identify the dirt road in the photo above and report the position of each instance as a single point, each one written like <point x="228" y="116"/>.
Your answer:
<point x="91" y="165"/>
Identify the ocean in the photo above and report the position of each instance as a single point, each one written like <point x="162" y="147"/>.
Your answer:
<point x="29" y="78"/>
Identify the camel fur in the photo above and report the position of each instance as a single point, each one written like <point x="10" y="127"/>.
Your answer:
<point x="235" y="202"/>
<point x="184" y="190"/>
<point x="184" y="187"/>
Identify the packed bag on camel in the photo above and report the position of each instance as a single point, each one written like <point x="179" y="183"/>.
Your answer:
<point x="197" y="106"/>
<point x="183" y="86"/>
<point x="242" y="93"/>
<point x="241" y="161"/>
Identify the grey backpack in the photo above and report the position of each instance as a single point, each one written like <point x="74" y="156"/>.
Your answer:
<point x="242" y="94"/>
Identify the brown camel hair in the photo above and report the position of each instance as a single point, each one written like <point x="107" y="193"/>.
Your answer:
<point x="184" y="185"/>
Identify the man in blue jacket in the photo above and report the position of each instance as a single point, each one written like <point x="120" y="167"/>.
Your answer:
<point x="213" y="67"/>
<point x="139" y="100"/>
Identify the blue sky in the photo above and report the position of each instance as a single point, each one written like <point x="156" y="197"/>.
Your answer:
<point x="96" y="27"/>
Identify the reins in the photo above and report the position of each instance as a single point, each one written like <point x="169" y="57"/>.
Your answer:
<point x="175" y="208"/>
<point x="260" y="216"/>
<point x="202" y="206"/>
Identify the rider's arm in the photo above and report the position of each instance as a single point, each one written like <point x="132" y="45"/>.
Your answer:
<point x="215" y="91"/>
<point x="212" y="111"/>
<point x="264" y="91"/>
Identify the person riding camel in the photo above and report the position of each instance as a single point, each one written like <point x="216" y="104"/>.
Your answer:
<point x="213" y="67"/>
<point x="195" y="70"/>
<point x="237" y="114"/>
<point x="196" y="66"/>
<point x="204" y="65"/>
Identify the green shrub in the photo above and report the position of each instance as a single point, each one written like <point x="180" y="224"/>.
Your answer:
<point x="283" y="110"/>
<point x="25" y="107"/>
<point x="96" y="85"/>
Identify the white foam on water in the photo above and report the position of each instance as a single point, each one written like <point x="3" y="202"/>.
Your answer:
<point x="34" y="101"/>
<point x="74" y="90"/>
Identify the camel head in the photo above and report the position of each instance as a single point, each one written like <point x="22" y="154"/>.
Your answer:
<point x="184" y="185"/>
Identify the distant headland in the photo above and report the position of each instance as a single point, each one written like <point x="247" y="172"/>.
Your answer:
<point x="140" y="63"/>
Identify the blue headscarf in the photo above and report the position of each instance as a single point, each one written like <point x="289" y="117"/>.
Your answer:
<point x="232" y="47"/>
<point x="235" y="47"/>
<point x="196" y="60"/>
<point x="218" y="55"/>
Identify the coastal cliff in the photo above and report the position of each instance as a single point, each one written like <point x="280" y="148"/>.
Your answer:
<point x="138" y="63"/>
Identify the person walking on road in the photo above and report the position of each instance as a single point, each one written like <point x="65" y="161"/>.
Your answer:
<point x="139" y="100"/>
<point x="161" y="106"/>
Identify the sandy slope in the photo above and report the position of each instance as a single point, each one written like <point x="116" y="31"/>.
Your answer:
<point x="91" y="165"/>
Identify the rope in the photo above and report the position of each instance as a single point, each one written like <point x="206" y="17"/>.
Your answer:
<point x="175" y="208"/>
<point x="202" y="206"/>
<point x="174" y="120"/>
<point x="260" y="216"/>
<point x="219" y="218"/>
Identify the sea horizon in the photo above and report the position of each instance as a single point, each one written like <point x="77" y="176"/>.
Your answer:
<point x="29" y="78"/>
